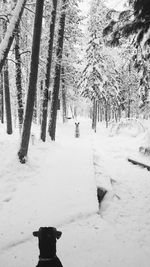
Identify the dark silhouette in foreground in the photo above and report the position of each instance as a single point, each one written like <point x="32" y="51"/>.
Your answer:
<point x="47" y="237"/>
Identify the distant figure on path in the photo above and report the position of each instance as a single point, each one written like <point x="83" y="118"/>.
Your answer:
<point x="77" y="132"/>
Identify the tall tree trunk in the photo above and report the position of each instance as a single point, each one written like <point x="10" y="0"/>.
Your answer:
<point x="19" y="78"/>
<point x="48" y="72"/>
<point x="32" y="81"/>
<point x="98" y="111"/>
<point x="40" y="104"/>
<point x="129" y="104"/>
<point x="55" y="94"/>
<point x="11" y="30"/>
<point x="106" y="113"/>
<point x="64" y="106"/>
<point x="34" y="117"/>
<point x="1" y="97"/>
<point x="101" y="111"/>
<point x="7" y="99"/>
<point x="94" y="117"/>
<point x="95" y="120"/>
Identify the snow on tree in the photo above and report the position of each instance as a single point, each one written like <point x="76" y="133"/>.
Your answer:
<point x="133" y="23"/>
<point x="98" y="78"/>
<point x="10" y="33"/>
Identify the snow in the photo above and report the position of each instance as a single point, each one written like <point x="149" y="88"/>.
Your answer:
<point x="57" y="187"/>
<point x="118" y="5"/>
<point x="11" y="27"/>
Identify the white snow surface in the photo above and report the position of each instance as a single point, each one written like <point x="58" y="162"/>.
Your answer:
<point x="57" y="187"/>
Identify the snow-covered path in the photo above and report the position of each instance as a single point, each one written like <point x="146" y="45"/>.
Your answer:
<point x="58" y="187"/>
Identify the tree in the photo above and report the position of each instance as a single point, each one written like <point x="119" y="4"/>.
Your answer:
<point x="32" y="81"/>
<point x="59" y="51"/>
<point x="7" y="99"/>
<point x="1" y="98"/>
<point x="18" y="78"/>
<point x="71" y="60"/>
<point x="48" y="71"/>
<point x="133" y="24"/>
<point x="98" y="79"/>
<point x="7" y="90"/>
<point x="11" y="30"/>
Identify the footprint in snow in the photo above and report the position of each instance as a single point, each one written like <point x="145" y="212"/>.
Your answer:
<point x="7" y="199"/>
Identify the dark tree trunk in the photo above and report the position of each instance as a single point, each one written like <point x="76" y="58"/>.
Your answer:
<point x="35" y="109"/>
<point x="10" y="33"/>
<point x="41" y="94"/>
<point x="64" y="106"/>
<point x="106" y="113"/>
<point x="1" y="97"/>
<point x="19" y="78"/>
<point x="7" y="99"/>
<point x="95" y="120"/>
<point x="101" y="111"/>
<point x="55" y="94"/>
<point x="32" y="81"/>
<point x="48" y="72"/>
<point x="94" y="117"/>
<point x="129" y="105"/>
<point x="98" y="111"/>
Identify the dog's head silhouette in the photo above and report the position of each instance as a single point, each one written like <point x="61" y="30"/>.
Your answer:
<point x="47" y="237"/>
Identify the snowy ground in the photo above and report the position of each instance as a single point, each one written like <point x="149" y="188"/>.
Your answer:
<point x="57" y="187"/>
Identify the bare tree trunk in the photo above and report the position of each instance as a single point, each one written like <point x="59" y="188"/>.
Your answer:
<point x="106" y="113"/>
<point x="101" y="111"/>
<point x="7" y="99"/>
<point x="64" y="106"/>
<point x="40" y="104"/>
<point x="94" y="117"/>
<point x="55" y="94"/>
<point x="19" y="78"/>
<point x="129" y="105"/>
<point x="48" y="72"/>
<point x="34" y="117"/>
<point x="2" y="97"/>
<point x="11" y="31"/>
<point x="95" y="120"/>
<point x="32" y="81"/>
<point x="98" y="111"/>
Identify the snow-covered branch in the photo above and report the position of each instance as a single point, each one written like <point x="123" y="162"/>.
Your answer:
<point x="10" y="33"/>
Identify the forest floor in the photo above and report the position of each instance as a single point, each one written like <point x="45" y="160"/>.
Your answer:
<point x="57" y="187"/>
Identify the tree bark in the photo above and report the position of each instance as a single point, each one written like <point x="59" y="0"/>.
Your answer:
<point x="11" y="31"/>
<point x="94" y="117"/>
<point x="7" y="99"/>
<point x="40" y="104"/>
<point x="48" y="72"/>
<point x="55" y="94"/>
<point x="106" y="113"/>
<point x="2" y="97"/>
<point x="32" y="81"/>
<point x="19" y="78"/>
<point x="64" y="106"/>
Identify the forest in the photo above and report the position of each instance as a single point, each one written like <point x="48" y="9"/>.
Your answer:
<point x="52" y="57"/>
<point x="75" y="131"/>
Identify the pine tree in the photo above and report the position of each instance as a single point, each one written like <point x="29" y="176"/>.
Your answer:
<point x="134" y="24"/>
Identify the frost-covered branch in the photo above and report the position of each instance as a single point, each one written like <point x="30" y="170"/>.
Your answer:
<point x="10" y="33"/>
